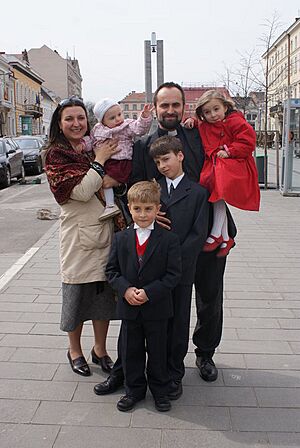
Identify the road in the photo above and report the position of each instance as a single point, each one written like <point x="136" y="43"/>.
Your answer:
<point x="19" y="226"/>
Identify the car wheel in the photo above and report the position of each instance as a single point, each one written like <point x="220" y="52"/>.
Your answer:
<point x="7" y="180"/>
<point x="38" y="167"/>
<point x="22" y="173"/>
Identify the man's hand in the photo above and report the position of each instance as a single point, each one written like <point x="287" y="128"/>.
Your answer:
<point x="163" y="221"/>
<point x="135" y="296"/>
<point x="147" y="111"/>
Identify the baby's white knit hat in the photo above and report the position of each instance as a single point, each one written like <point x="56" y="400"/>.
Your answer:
<point x="102" y="106"/>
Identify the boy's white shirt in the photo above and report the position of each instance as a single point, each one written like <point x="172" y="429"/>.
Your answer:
<point x="143" y="233"/>
<point x="175" y="182"/>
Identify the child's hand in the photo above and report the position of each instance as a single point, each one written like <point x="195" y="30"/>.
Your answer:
<point x="222" y="153"/>
<point x="189" y="123"/>
<point x="147" y="111"/>
<point x="132" y="296"/>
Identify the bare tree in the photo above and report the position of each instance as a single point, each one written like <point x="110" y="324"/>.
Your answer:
<point x="91" y="117"/>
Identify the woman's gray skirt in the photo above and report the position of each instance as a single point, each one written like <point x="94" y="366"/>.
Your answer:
<point x="86" y="301"/>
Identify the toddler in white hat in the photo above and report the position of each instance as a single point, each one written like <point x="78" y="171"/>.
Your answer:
<point x="112" y="124"/>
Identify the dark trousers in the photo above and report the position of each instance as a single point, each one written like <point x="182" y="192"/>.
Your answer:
<point x="138" y="337"/>
<point x="209" y="303"/>
<point x="178" y="331"/>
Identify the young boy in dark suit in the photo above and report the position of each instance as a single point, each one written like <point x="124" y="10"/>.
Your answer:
<point x="185" y="204"/>
<point x="144" y="266"/>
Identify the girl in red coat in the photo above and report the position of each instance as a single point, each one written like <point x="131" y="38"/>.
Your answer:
<point x="229" y="171"/>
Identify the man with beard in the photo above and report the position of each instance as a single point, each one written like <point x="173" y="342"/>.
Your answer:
<point x="169" y="103"/>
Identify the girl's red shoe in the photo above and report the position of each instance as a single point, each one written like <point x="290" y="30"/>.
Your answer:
<point x="209" y="247"/>
<point x="224" y="251"/>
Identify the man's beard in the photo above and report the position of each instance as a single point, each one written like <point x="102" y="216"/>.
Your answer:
<point x="170" y="125"/>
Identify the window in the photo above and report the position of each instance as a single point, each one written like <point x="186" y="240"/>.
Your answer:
<point x="134" y="107"/>
<point x="142" y="106"/>
<point x="248" y="116"/>
<point x="126" y="116"/>
<point x="126" y="107"/>
<point x="134" y="116"/>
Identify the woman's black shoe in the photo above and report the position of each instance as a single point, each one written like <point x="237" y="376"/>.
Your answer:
<point x="105" y="362"/>
<point x="79" y="365"/>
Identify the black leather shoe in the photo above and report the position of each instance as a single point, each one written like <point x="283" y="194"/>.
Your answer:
<point x="175" y="390"/>
<point x="127" y="402"/>
<point x="79" y="365"/>
<point x="108" y="386"/>
<point x="162" y="404"/>
<point x="105" y="362"/>
<point x="207" y="368"/>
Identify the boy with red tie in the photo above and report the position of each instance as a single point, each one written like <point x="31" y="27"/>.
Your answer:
<point x="144" y="266"/>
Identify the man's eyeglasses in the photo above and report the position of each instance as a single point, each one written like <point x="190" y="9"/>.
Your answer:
<point x="72" y="101"/>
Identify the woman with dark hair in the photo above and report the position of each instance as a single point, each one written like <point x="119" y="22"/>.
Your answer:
<point x="75" y="178"/>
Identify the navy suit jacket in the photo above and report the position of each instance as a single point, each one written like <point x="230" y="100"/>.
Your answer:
<point x="188" y="210"/>
<point x="159" y="274"/>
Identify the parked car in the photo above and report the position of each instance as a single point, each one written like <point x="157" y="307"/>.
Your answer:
<point x="11" y="161"/>
<point x="31" y="146"/>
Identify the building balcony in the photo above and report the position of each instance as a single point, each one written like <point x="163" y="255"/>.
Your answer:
<point x="34" y="109"/>
<point x="4" y="104"/>
<point x="276" y="110"/>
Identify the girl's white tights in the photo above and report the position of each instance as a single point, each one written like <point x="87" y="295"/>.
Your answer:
<point x="109" y="197"/>
<point x="220" y="224"/>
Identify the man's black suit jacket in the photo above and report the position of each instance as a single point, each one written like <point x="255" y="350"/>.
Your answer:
<point x="188" y="211"/>
<point x="159" y="274"/>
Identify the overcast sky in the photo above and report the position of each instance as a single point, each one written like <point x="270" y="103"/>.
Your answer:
<point x="107" y="36"/>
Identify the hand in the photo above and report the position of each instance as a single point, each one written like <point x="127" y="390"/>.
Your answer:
<point x="189" y="123"/>
<point x="105" y="150"/>
<point x="109" y="182"/>
<point x="222" y="154"/>
<point x="132" y="296"/>
<point x="163" y="221"/>
<point x="141" y="296"/>
<point x="147" y="111"/>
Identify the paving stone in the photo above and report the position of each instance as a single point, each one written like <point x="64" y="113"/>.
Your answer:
<point x="277" y="304"/>
<point x="181" y="417"/>
<point x="192" y="378"/>
<point x="47" y="298"/>
<point x="217" y="396"/>
<point x="255" y="347"/>
<point x="268" y="335"/>
<point x="267" y="378"/>
<point x="20" y="283"/>
<point x="212" y="439"/>
<point x="39" y="341"/>
<point x="78" y="437"/>
<point x="77" y="414"/>
<point x="39" y="317"/>
<point x="23" y="307"/>
<point x="27" y="371"/>
<point x="84" y="392"/>
<point x="15" y="327"/>
<point x="20" y="290"/>
<point x="6" y="352"/>
<point x="39" y="355"/>
<point x="37" y="390"/>
<point x="295" y="346"/>
<point x="9" y="316"/>
<point x="265" y="362"/>
<point x="23" y="298"/>
<point x="272" y="397"/>
<point x="17" y="411"/>
<point x="262" y="312"/>
<point x="35" y="276"/>
<point x="266" y="419"/>
<point x="284" y="440"/>
<point x="250" y="322"/>
<point x="27" y="436"/>
<point x="290" y="323"/>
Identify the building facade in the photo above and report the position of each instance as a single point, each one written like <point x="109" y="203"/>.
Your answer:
<point x="7" y="99"/>
<point x="49" y="102"/>
<point x="283" y="72"/>
<point x="27" y="95"/>
<point x="61" y="75"/>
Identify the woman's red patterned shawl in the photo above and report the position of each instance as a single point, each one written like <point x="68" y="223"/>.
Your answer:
<point x="65" y="169"/>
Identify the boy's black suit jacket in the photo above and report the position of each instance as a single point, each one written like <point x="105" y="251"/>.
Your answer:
<point x="159" y="274"/>
<point x="188" y="210"/>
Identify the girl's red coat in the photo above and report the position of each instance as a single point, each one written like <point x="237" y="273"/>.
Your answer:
<point x="233" y="179"/>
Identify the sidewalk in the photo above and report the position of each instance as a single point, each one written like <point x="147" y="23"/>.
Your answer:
<point x="255" y="402"/>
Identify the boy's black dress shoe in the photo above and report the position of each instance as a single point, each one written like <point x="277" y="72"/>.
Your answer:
<point x="79" y="365"/>
<point x="105" y="362"/>
<point x="207" y="368"/>
<point x="108" y="386"/>
<point x="162" y="404"/>
<point x="175" y="390"/>
<point x="127" y="402"/>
